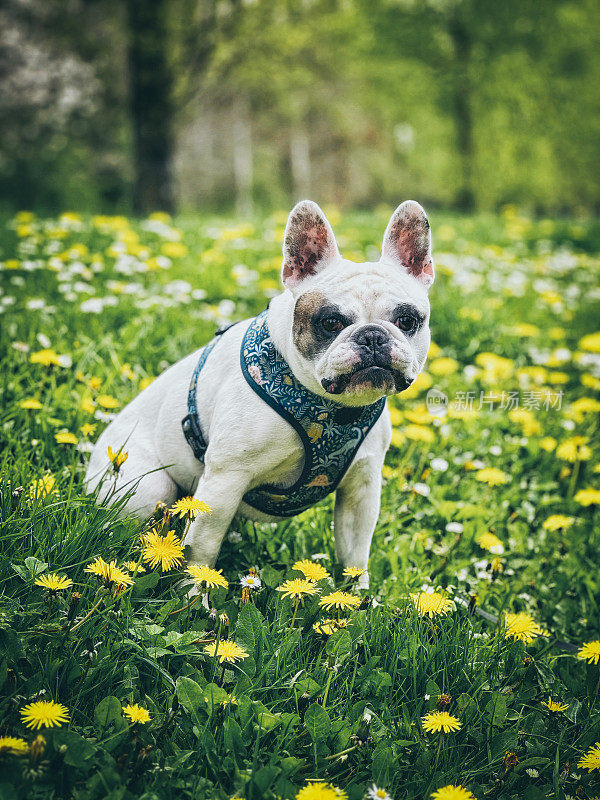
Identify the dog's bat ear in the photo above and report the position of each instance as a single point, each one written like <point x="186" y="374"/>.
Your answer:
<point x="407" y="241"/>
<point x="308" y="244"/>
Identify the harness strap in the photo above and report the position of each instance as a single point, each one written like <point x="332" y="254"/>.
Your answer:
<point x="190" y="424"/>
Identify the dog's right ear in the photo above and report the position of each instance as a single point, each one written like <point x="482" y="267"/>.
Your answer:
<point x="308" y="244"/>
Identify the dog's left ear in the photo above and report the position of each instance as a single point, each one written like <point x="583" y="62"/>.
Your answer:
<point x="308" y="244"/>
<point x="407" y="241"/>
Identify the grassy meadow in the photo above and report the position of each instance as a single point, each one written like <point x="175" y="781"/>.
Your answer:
<point x="474" y="661"/>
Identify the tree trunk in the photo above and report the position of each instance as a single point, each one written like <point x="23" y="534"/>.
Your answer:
<point x="151" y="105"/>
<point x="300" y="161"/>
<point x="242" y="156"/>
<point x="463" y="117"/>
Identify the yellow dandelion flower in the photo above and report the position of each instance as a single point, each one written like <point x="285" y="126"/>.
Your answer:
<point x="44" y="713"/>
<point x="109" y="573"/>
<point x="443" y="366"/>
<point x="419" y="415"/>
<point x="136" y="713"/>
<point x="319" y="790"/>
<point x="419" y="433"/>
<point x="88" y="429"/>
<point x="440" y="721"/>
<point x="557" y="522"/>
<point x="42" y="487"/>
<point x="88" y="405"/>
<point x="590" y="652"/>
<point x="431" y="604"/>
<point x="521" y="626"/>
<point x="452" y="792"/>
<point x="174" y="249"/>
<point x="65" y="437"/>
<point x="574" y="449"/>
<point x="492" y="476"/>
<point x="133" y="566"/>
<point x="107" y="401"/>
<point x="548" y="443"/>
<point x="13" y="744"/>
<point x="46" y="357"/>
<point x="583" y="406"/>
<point x="325" y="627"/>
<point x="297" y="588"/>
<point x="490" y="542"/>
<point x="117" y="458"/>
<point x="164" y="550"/>
<point x="190" y="507"/>
<point x="554" y="706"/>
<point x="339" y="600"/>
<point x="203" y="575"/>
<point x="31" y="404"/>
<point x="591" y="759"/>
<point x="590" y="342"/>
<point x="526" y="419"/>
<point x="53" y="582"/>
<point x="311" y="570"/>
<point x="226" y="651"/>
<point x="354" y="572"/>
<point x="588" y="497"/>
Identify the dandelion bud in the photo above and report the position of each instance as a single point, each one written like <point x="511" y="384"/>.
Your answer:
<point x="37" y="748"/>
<point x="510" y="760"/>
<point x="496" y="566"/>
<point x="224" y="620"/>
<point x="443" y="701"/>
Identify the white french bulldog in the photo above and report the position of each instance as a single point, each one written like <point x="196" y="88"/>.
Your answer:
<point x="349" y="334"/>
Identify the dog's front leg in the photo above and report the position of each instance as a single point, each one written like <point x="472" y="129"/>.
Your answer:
<point x="222" y="489"/>
<point x="357" y="503"/>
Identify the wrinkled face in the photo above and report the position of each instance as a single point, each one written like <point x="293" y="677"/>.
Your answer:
<point x="364" y="334"/>
<point x="362" y="330"/>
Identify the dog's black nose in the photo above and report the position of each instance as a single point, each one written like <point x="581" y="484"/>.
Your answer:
<point x="371" y="336"/>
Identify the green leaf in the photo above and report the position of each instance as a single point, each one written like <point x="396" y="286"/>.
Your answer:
<point x="495" y="710"/>
<point x="213" y="697"/>
<point x="35" y="566"/>
<point x="383" y="758"/>
<point x="317" y="722"/>
<point x="78" y="751"/>
<point x="190" y="695"/>
<point x="339" y="644"/>
<point x="108" y="712"/>
<point x="467" y="707"/>
<point x="249" y="629"/>
<point x="573" y="709"/>
<point x="307" y="686"/>
<point x="144" y="582"/>
<point x="232" y="737"/>
<point x="270" y="576"/>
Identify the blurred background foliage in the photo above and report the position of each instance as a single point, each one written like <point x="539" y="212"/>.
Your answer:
<point x="137" y="105"/>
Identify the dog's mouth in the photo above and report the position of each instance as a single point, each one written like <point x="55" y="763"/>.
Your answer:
<point x="388" y="380"/>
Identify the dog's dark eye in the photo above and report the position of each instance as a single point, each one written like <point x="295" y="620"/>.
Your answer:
<point x="333" y="324"/>
<point x="406" y="323"/>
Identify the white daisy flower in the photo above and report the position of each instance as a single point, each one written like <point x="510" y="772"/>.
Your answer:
<point x="251" y="581"/>
<point x="375" y="793"/>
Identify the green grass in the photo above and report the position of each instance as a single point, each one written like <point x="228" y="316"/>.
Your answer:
<point x="346" y="708"/>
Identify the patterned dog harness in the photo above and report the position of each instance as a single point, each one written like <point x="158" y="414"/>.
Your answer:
<point x="330" y="433"/>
